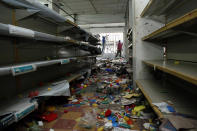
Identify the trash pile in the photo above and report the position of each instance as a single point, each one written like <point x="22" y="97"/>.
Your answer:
<point x="113" y="105"/>
<point x="116" y="105"/>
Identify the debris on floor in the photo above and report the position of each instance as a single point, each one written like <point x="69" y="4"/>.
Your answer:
<point x="104" y="101"/>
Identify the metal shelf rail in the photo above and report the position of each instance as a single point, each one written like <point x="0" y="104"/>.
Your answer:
<point x="15" y="31"/>
<point x="29" y="67"/>
<point x="24" y="68"/>
<point x="50" y="15"/>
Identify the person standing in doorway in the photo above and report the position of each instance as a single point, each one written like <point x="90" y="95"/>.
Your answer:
<point x="119" y="48"/>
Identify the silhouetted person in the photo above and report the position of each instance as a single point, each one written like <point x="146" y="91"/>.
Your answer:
<point x="119" y="48"/>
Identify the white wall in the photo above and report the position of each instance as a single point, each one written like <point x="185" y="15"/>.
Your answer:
<point x="142" y="50"/>
<point x="104" y="30"/>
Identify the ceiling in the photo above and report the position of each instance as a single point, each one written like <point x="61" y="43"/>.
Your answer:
<point x="94" y="6"/>
<point x="95" y="11"/>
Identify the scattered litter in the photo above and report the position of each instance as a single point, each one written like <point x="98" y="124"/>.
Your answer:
<point x="128" y="96"/>
<point x="127" y="102"/>
<point x="122" y="129"/>
<point x="149" y="126"/>
<point x="108" y="125"/>
<point x="146" y="125"/>
<point x="178" y="123"/>
<point x="49" y="117"/>
<point x="51" y="108"/>
<point x="65" y="111"/>
<point x="124" y="125"/>
<point x="88" y="121"/>
<point x="75" y="100"/>
<point x="108" y="113"/>
<point x="100" y="129"/>
<point x="164" y="107"/>
<point x="115" y="104"/>
<point x="40" y="123"/>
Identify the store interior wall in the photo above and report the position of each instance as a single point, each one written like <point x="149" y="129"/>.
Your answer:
<point x="143" y="50"/>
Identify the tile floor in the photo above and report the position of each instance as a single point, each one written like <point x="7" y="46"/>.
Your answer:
<point x="70" y="121"/>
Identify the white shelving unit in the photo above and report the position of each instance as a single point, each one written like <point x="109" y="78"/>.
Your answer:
<point x="156" y="92"/>
<point x="182" y="25"/>
<point x="177" y="71"/>
<point x="26" y="23"/>
<point x="183" y="70"/>
<point x="16" y="109"/>
<point x="67" y="27"/>
<point x="19" y="32"/>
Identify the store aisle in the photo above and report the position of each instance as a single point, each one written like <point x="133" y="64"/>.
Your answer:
<point x="103" y="101"/>
<point x="109" y="102"/>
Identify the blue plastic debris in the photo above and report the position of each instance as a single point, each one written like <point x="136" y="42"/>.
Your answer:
<point x="77" y="105"/>
<point x="111" y="97"/>
<point x="93" y="101"/>
<point x="109" y="118"/>
<point x="67" y="105"/>
<point x="128" y="115"/>
<point x="171" y="109"/>
<point x="130" y="87"/>
<point x="109" y="70"/>
<point x="115" y="124"/>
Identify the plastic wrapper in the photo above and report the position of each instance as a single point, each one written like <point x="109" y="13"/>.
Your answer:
<point x="89" y="120"/>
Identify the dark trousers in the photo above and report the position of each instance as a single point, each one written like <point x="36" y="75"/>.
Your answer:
<point x="118" y="53"/>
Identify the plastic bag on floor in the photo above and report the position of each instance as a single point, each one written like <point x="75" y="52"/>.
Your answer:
<point x="122" y="129"/>
<point x="88" y="121"/>
<point x="164" y="107"/>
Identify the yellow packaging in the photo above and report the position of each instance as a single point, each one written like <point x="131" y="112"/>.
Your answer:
<point x="100" y="129"/>
<point x="51" y="108"/>
<point x="126" y="118"/>
<point x="176" y="62"/>
<point x="94" y="105"/>
<point x="138" y="109"/>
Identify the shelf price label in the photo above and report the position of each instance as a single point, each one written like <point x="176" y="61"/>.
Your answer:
<point x="6" y="121"/>
<point x="21" y="114"/>
<point x="65" y="61"/>
<point x="23" y="69"/>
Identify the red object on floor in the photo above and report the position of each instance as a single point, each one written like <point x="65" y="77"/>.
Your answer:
<point x="132" y="105"/>
<point x="65" y="111"/>
<point x="129" y="122"/>
<point x="78" y="85"/>
<point x="36" y="93"/>
<point x="107" y="113"/>
<point x="49" y="117"/>
<point x="76" y="102"/>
